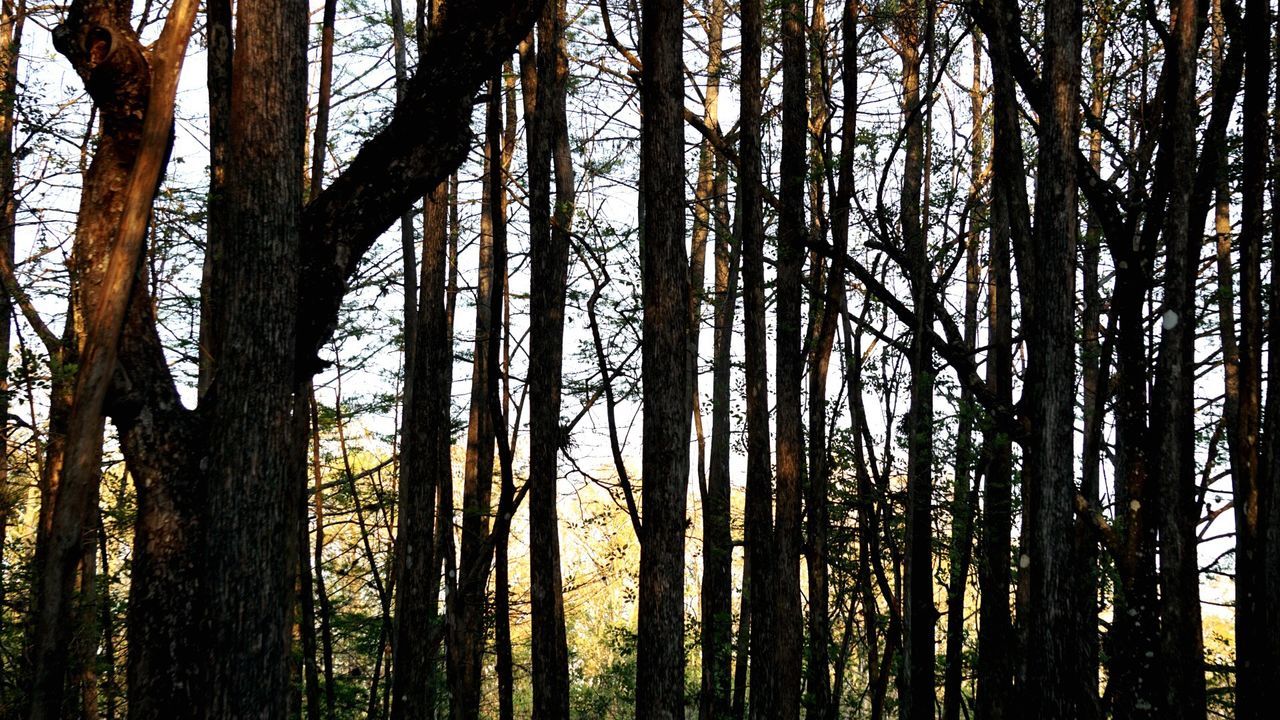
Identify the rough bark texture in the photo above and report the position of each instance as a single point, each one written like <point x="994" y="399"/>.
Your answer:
<point x="1173" y="400"/>
<point x="136" y="96"/>
<point x="176" y="455"/>
<point x="665" y="370"/>
<point x="789" y="467"/>
<point x="251" y="514"/>
<point x="1053" y="682"/>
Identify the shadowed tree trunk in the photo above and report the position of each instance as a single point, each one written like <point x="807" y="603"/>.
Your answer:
<point x="1243" y="414"/>
<point x="1009" y="225"/>
<point x="717" y="561"/>
<point x="916" y="678"/>
<point x="1054" y="686"/>
<point x="789" y="468"/>
<point x="544" y="77"/>
<point x="758" y="520"/>
<point x="136" y="98"/>
<point x="12" y="19"/>
<point x="665" y="368"/>
<point x="963" y="502"/>
<point x="1173" y="399"/>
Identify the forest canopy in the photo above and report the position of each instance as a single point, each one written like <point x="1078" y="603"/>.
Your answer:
<point x="647" y="359"/>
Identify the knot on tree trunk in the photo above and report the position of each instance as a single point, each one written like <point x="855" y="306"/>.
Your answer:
<point x="107" y="55"/>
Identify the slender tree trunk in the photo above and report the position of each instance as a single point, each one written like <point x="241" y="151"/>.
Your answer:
<point x="823" y="301"/>
<point x="917" y="675"/>
<point x="962" y="505"/>
<point x="1094" y="391"/>
<point x="467" y="639"/>
<point x="1243" y="413"/>
<point x="1269" y="495"/>
<point x="1009" y="226"/>
<point x="717" y="574"/>
<point x="665" y="368"/>
<point x="499" y="135"/>
<point x="322" y="593"/>
<point x="544" y="78"/>
<point x="789" y="467"/>
<point x="12" y="19"/>
<point x="758" y="521"/>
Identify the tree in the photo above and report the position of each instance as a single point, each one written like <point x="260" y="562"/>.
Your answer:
<point x="667" y="386"/>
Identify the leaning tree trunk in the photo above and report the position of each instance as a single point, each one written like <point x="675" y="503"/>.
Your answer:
<point x="136" y="101"/>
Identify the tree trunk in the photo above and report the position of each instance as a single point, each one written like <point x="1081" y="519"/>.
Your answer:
<point x="1243" y="428"/>
<point x="917" y="674"/>
<point x="665" y="368"/>
<point x="789" y="467"/>
<point x="717" y="555"/>
<point x="758" y="520"/>
<point x="467" y="638"/>
<point x="996" y="663"/>
<point x="250" y="543"/>
<point x="962" y="504"/>
<point x="136" y="110"/>
<point x="544" y="76"/>
<point x="12" y="20"/>
<point x="1054" y="683"/>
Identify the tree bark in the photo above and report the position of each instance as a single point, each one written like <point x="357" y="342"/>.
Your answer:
<point x="1243" y="430"/>
<point x="250" y="542"/>
<point x="717" y="573"/>
<point x="116" y="208"/>
<point x="758" y="521"/>
<point x="1054" y="683"/>
<point x="918" y="674"/>
<point x="789" y="463"/>
<point x="544" y="77"/>
<point x="665" y="368"/>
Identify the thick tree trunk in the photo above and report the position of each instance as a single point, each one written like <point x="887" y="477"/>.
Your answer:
<point x="1173" y="401"/>
<point x="116" y="208"/>
<point x="250" y="542"/>
<point x="1054" y="683"/>
<point x="665" y="368"/>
